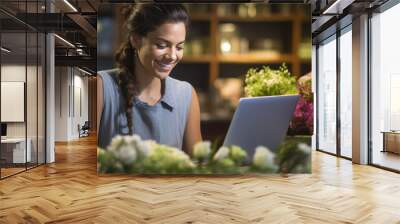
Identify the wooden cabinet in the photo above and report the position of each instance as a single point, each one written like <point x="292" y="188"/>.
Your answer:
<point x="391" y="142"/>
<point x="273" y="35"/>
<point x="225" y="40"/>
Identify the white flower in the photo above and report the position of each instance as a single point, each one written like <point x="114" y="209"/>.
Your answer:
<point x="125" y="148"/>
<point x="304" y="148"/>
<point x="202" y="150"/>
<point x="115" y="143"/>
<point x="132" y="139"/>
<point x="263" y="158"/>
<point x="151" y="145"/>
<point x="179" y="154"/>
<point x="126" y="154"/>
<point x="222" y="153"/>
<point x="144" y="148"/>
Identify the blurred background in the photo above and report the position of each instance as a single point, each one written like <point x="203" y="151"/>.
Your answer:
<point x="224" y="41"/>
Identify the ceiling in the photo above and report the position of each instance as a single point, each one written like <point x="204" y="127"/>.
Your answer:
<point x="329" y="15"/>
<point x="76" y="24"/>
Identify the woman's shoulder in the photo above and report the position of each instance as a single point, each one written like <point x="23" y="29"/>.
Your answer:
<point x="180" y="92"/>
<point x="108" y="77"/>
<point x="109" y="73"/>
<point x="110" y="82"/>
<point x="179" y="84"/>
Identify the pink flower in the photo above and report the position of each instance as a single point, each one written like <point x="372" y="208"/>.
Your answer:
<point x="302" y="120"/>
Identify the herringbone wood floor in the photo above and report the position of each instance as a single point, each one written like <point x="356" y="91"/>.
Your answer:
<point x="70" y="191"/>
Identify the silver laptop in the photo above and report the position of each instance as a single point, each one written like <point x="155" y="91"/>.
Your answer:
<point x="261" y="121"/>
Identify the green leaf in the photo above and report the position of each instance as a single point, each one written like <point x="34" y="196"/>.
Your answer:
<point x="269" y="82"/>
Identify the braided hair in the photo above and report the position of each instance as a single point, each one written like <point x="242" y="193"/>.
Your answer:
<point x="142" y="19"/>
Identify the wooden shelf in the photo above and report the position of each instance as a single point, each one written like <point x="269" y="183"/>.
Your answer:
<point x="217" y="60"/>
<point x="269" y="18"/>
<point x="200" y="17"/>
<point x="254" y="58"/>
<point x="235" y="18"/>
<point x="239" y="58"/>
<point x="197" y="58"/>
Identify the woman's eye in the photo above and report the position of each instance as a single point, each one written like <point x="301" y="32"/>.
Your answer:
<point x="161" y="46"/>
<point x="179" y="48"/>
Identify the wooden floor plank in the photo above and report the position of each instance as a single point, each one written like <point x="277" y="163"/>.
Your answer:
<point x="70" y="191"/>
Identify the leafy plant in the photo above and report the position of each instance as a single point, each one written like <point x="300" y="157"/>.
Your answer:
<point x="269" y="82"/>
<point x="130" y="154"/>
<point x="294" y="156"/>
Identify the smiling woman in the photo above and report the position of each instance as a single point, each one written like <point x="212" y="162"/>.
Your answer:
<point x="139" y="97"/>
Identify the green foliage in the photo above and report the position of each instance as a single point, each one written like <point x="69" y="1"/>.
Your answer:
<point x="225" y="166"/>
<point x="269" y="82"/>
<point x="167" y="160"/>
<point x="294" y="157"/>
<point x="228" y="160"/>
<point x="108" y="162"/>
<point x="153" y="158"/>
<point x="237" y="154"/>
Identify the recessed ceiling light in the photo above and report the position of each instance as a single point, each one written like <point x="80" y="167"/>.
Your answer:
<point x="70" y="5"/>
<point x="84" y="71"/>
<point x="337" y="7"/>
<point x="5" y="50"/>
<point x="65" y="41"/>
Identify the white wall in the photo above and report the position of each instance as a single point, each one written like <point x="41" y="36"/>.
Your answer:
<point x="71" y="93"/>
<point x="34" y="124"/>
<point x="12" y="73"/>
<point x="80" y="110"/>
<point x="61" y="103"/>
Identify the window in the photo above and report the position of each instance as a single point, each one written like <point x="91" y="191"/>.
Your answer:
<point x="385" y="86"/>
<point x="327" y="95"/>
<point x="346" y="92"/>
<point x="22" y="77"/>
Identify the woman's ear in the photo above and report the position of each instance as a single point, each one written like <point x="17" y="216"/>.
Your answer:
<point x="136" y="41"/>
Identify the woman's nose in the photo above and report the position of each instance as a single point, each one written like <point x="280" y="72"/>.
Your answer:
<point x="171" y="54"/>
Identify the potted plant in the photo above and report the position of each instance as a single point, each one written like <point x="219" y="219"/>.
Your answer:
<point x="269" y="82"/>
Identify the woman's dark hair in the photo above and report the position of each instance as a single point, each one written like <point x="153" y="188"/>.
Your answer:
<point x="142" y="19"/>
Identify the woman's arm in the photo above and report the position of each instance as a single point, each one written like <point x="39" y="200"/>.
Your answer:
<point x="192" y="131"/>
<point x="99" y="101"/>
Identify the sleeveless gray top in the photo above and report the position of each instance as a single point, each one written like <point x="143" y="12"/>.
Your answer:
<point x="163" y="122"/>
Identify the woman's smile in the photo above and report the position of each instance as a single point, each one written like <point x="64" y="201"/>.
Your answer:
<point x="164" y="66"/>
